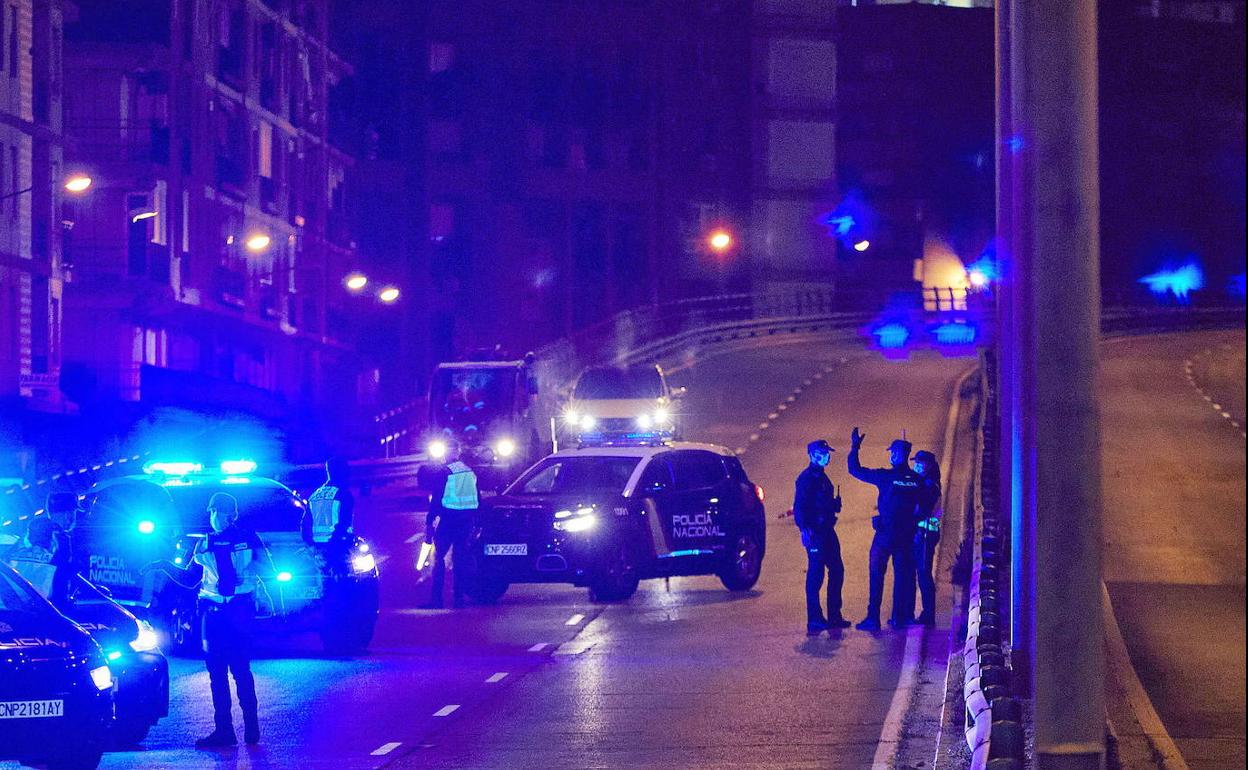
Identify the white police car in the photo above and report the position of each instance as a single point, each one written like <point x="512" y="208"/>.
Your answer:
<point x="607" y="517"/>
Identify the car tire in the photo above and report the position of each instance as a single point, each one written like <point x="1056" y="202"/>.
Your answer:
<point x="85" y="756"/>
<point x="617" y="582"/>
<point x="127" y="733"/>
<point x="743" y="564"/>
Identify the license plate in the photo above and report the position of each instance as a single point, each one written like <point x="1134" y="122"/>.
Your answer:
<point x="507" y="549"/>
<point x="31" y="709"/>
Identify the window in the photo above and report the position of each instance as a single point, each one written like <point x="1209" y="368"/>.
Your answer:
<point x="696" y="470"/>
<point x="578" y="476"/>
<point x="657" y="476"/>
<point x="13" y="44"/>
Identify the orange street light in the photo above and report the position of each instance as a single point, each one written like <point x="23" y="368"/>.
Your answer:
<point x="719" y="240"/>
<point x="356" y="281"/>
<point x="258" y="242"/>
<point x="388" y="294"/>
<point x="78" y="183"/>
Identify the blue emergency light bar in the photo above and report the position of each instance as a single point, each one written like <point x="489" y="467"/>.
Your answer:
<point x="173" y="468"/>
<point x="238" y="467"/>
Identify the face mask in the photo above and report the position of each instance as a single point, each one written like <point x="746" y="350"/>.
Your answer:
<point x="920" y="468"/>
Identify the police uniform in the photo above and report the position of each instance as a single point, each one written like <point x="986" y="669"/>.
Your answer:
<point x="815" y="506"/>
<point x="897" y="503"/>
<point x="454" y="509"/>
<point x="328" y="522"/>
<point x="231" y="562"/>
<point x="926" y="538"/>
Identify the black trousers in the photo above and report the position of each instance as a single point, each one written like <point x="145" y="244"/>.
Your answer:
<point x="901" y="552"/>
<point x="925" y="543"/>
<point x="824" y="557"/>
<point x="227" y="652"/>
<point x="450" y="538"/>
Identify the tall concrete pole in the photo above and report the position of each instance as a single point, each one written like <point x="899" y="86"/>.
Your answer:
<point x="1053" y="92"/>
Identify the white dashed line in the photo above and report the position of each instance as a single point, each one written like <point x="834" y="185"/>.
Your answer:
<point x="754" y="437"/>
<point x="782" y="407"/>
<point x="496" y="678"/>
<point x="575" y="620"/>
<point x="764" y="425"/>
<point x="773" y="415"/>
<point x="385" y="749"/>
<point x="446" y="711"/>
<point x="538" y="647"/>
<point x="1227" y="415"/>
<point x="740" y="450"/>
<point x="1217" y="407"/>
<point x="791" y="399"/>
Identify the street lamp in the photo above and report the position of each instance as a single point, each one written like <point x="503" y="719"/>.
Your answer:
<point x="388" y="295"/>
<point x="862" y="245"/>
<point x="356" y="281"/>
<point x="76" y="184"/>
<point x="258" y="242"/>
<point x="719" y="241"/>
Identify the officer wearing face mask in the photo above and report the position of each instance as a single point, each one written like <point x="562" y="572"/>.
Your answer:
<point x="230" y="560"/>
<point x="815" y="506"/>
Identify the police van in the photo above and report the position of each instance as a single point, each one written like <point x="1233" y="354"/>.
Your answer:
<point x="56" y="689"/>
<point x="607" y="517"/>
<point x="132" y="521"/>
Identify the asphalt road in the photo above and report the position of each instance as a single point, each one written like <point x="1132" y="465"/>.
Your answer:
<point x="1174" y="442"/>
<point x="685" y="674"/>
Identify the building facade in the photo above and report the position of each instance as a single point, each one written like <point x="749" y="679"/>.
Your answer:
<point x="32" y="171"/>
<point x="208" y="262"/>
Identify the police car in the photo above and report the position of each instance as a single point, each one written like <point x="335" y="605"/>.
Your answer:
<point x="132" y="521"/>
<point x="56" y="689"/>
<point x="607" y="517"/>
<point x="130" y="646"/>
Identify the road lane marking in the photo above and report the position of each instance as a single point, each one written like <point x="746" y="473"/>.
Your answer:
<point x="538" y="647"/>
<point x="782" y="407"/>
<point x="1217" y="407"/>
<point x="496" y="678"/>
<point x="1227" y="415"/>
<point x="753" y="437"/>
<point x="773" y="415"/>
<point x="385" y="749"/>
<point x="764" y="425"/>
<point x="575" y="620"/>
<point x="446" y="711"/>
<point x="415" y="537"/>
<point x="890" y="736"/>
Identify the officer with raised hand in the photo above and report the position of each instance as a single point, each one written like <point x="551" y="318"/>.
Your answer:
<point x="449" y="524"/>
<point x="898" y="504"/>
<point x="815" y="506"/>
<point x="230" y="561"/>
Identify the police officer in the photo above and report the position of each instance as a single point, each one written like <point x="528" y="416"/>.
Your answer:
<point x="328" y="523"/>
<point x="453" y="507"/>
<point x="815" y="505"/>
<point x="49" y="542"/>
<point x="230" y="560"/>
<point x="897" y="503"/>
<point x="927" y="534"/>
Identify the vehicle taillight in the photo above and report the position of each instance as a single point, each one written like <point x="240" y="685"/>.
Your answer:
<point x="762" y="497"/>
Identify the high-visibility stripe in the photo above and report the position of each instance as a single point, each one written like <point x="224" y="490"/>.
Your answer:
<point x="460" y="493"/>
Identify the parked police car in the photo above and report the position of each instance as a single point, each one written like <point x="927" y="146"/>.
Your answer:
<point x="132" y="521"/>
<point x="56" y="690"/>
<point x="131" y="647"/>
<point x="607" y="517"/>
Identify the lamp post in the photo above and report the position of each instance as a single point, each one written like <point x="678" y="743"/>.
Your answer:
<point x="76" y="184"/>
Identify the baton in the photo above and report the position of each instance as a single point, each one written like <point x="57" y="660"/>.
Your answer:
<point x="426" y="549"/>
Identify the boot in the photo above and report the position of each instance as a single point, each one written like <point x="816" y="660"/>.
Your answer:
<point x="251" y="729"/>
<point x="218" y="739"/>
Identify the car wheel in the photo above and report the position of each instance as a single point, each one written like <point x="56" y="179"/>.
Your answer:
<point x="84" y="756"/>
<point x="617" y="582"/>
<point x="744" y="563"/>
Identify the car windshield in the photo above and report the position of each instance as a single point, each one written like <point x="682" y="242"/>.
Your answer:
<point x="609" y="382"/>
<point x="261" y="508"/>
<point x="472" y="398"/>
<point x="576" y="475"/>
<point x="15" y="596"/>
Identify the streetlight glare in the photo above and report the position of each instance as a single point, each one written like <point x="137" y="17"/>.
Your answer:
<point x="258" y="242"/>
<point x="78" y="183"/>
<point x="388" y="294"/>
<point x="978" y="278"/>
<point x="356" y="281"/>
<point x="720" y="240"/>
<point x="862" y="245"/>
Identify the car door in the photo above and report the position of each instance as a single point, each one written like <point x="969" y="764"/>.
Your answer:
<point x="696" y="525"/>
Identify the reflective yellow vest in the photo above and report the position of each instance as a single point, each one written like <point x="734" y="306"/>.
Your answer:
<point x="460" y="493"/>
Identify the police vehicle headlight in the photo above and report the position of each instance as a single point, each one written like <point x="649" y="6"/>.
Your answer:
<point x="437" y="449"/>
<point x="363" y="562"/>
<point x="284" y="577"/>
<point x="147" y="640"/>
<point x="146" y="527"/>
<point x="505" y="447"/>
<point x="588" y="422"/>
<point x="645" y="422"/>
<point x="102" y="677"/>
<point x="572" y="418"/>
<point x="661" y="417"/>
<point x="577" y="520"/>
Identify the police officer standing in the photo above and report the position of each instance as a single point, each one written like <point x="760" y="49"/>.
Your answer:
<point x="329" y="521"/>
<point x="453" y="509"/>
<point x="927" y="534"/>
<point x="815" y="506"/>
<point x="897" y="503"/>
<point x="230" y="559"/>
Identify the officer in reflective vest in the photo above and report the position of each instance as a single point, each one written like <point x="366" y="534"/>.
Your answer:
<point x="449" y="524"/>
<point x="230" y="560"/>
<point x="330" y="518"/>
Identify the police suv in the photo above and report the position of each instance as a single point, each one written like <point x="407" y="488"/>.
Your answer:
<point x="132" y="521"/>
<point x="56" y="690"/>
<point x="607" y="517"/>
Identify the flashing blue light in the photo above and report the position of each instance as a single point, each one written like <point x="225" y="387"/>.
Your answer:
<point x="147" y="527"/>
<point x="284" y="577"/>
<point x="1015" y="144"/>
<point x="114" y="655"/>
<point x="841" y="225"/>
<point x="238" y="467"/>
<point x="235" y="480"/>
<point x="1236" y="286"/>
<point x="892" y="335"/>
<point x="955" y="334"/>
<point x="689" y="552"/>
<point x="172" y="468"/>
<point x="1180" y="282"/>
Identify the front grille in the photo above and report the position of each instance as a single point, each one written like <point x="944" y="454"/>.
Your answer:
<point x="522" y="519"/>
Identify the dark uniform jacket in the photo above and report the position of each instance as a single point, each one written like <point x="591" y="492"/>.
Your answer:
<point x="815" y="503"/>
<point x="898" y="500"/>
